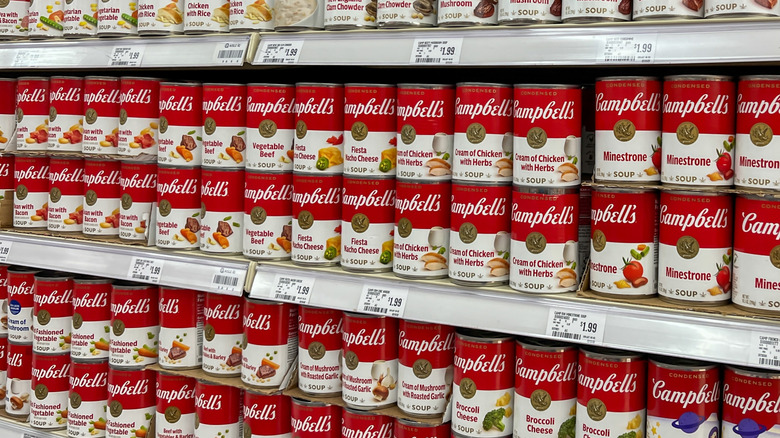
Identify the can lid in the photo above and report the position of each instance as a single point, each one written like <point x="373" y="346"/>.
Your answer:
<point x="52" y="276"/>
<point x="482" y="84"/>
<point x="544" y="344"/>
<point x="627" y="78"/>
<point x="760" y="78"/>
<point x="182" y="84"/>
<point x="67" y="77"/>
<point x="304" y="402"/>
<point x="547" y="86"/>
<point x="219" y="84"/>
<point x="697" y="78"/>
<point x="482" y="335"/>
<point x="140" y="78"/>
<point x="754" y="372"/>
<point x="23" y="269"/>
<point x="318" y="84"/>
<point x="357" y="84"/>
<point x="269" y="84"/>
<point x="678" y="363"/>
<point x="424" y="86"/>
<point x="101" y="78"/>
<point x="611" y="354"/>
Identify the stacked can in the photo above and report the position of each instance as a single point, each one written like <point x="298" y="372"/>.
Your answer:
<point x="139" y="115"/>
<point x="32" y="113"/>
<point x="66" y="97"/>
<point x="31" y="191"/>
<point x="181" y="328"/>
<point x="101" y="115"/>
<point x="3" y="333"/>
<point x="8" y="114"/>
<point x="270" y="342"/>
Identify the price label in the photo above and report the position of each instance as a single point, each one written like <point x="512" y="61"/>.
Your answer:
<point x="297" y="289"/>
<point x="145" y="269"/>
<point x="634" y="49"/>
<point x="764" y="350"/>
<point x="28" y="58"/>
<point x="585" y="327"/>
<point x="436" y="51"/>
<point x="5" y="250"/>
<point x="126" y="56"/>
<point x="382" y="300"/>
<point x="229" y="280"/>
<point x="280" y="52"/>
<point x="231" y="53"/>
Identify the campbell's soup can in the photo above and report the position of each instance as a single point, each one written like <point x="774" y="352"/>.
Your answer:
<point x="175" y="410"/>
<point x="547" y="130"/>
<point x="267" y="215"/>
<point x="369" y="130"/>
<point x="91" y="319"/>
<point x="6" y="175"/>
<point x="483" y="133"/>
<point x="223" y="333"/>
<point x="758" y="115"/>
<point x="131" y="402"/>
<point x="316" y="219"/>
<point x="211" y="16"/>
<point x="628" y="129"/>
<point x="544" y="248"/>
<point x="178" y="207"/>
<point x="66" y="195"/>
<point x="32" y="113"/>
<point x="748" y="397"/>
<point x="3" y="304"/>
<point x="427" y="204"/>
<point x="311" y="419"/>
<point x="270" y="127"/>
<point x="224" y="125"/>
<point x="218" y="410"/>
<point x="720" y="8"/>
<point x="101" y="115"/>
<point x="117" y="18"/>
<point x="291" y="15"/>
<point x="683" y="398"/>
<point x="319" y="350"/>
<point x="18" y="26"/>
<point x="160" y="17"/>
<point x="391" y="14"/>
<point x="319" y="128"/>
<point x="250" y="15"/>
<point x="18" y="378"/>
<point x="21" y="295"/>
<point x="87" y="397"/>
<point x="698" y="130"/>
<point x="139" y="116"/>
<point x="50" y="386"/>
<point x="356" y="423"/>
<point x="610" y="393"/>
<point x="425" y="131"/>
<point x="624" y="241"/>
<point x="368" y="208"/>
<point x="66" y="113"/>
<point x="8" y="106"/>
<point x="135" y="326"/>
<point x="342" y="15"/>
<point x="31" y="192"/>
<point x="694" y="247"/>
<point x="467" y="13"/>
<point x="222" y="205"/>
<point x="138" y="184"/>
<point x="102" y="193"/>
<point x="181" y="125"/>
<point x="270" y="342"/>
<point x="181" y="328"/>
<point x="545" y="11"/>
<point x="369" y="363"/>
<point x="266" y="415"/>
<point x="425" y="367"/>
<point x="52" y="313"/>
<point x="667" y="9"/>
<point x="80" y="20"/>
<point x="483" y="383"/>
<point x="545" y="388"/>
<point x="588" y="11"/>
<point x="404" y="428"/>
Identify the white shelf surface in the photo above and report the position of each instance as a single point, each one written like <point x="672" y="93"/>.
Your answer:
<point x="14" y="429"/>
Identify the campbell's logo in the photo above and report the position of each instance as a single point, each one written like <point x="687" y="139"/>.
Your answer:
<point x="317" y="196"/>
<point x="102" y="178"/>
<point x="482" y="207"/>
<point x="67" y="176"/>
<point x="610" y="214"/>
<point x="170" y="306"/>
<point x="142" y="96"/>
<point x="422" y="109"/>
<point x="260" y="413"/>
<point x="53" y="372"/>
<point x="375" y="338"/>
<point x="430" y="203"/>
<point x="212" y="403"/>
<point x="102" y="96"/>
<point x="130" y="306"/>
<point x="87" y="300"/>
<point x="54" y="297"/>
<point x="768" y="403"/>
<point x="372" y="107"/>
<point x="481" y="364"/>
<point x="87" y="380"/>
<point x="220" y="189"/>
<point x="177" y="104"/>
<point x="323" y="107"/>
<point x="187" y="186"/>
<point x="553" y="111"/>
<point x="704" y="395"/>
<point x="15" y="360"/>
<point x="554" y="374"/>
<point x="329" y="327"/>
<point x="309" y="424"/>
<point x="140" y="387"/>
<point x="5" y="169"/>
<point x="62" y="94"/>
<point x="281" y="106"/>
<point x="232" y="104"/>
<point x="492" y="108"/>
<point x="627" y="383"/>
<point x="551" y="216"/>
<point x="703" y="219"/>
<point x="433" y="345"/>
<point x="701" y="106"/>
<point x="385" y="431"/>
<point x="257" y="322"/>
<point x="750" y="224"/>
<point x="372" y="199"/>
<point x="231" y="312"/>
<point x="20" y="289"/>
<point x="137" y="181"/>
<point x="34" y="95"/>
<point x="184" y="392"/>
<point x="271" y="193"/>
<point x="640" y="102"/>
<point x="32" y="172"/>
<point x="758" y="107"/>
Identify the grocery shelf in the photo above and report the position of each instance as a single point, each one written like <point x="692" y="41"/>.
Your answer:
<point x="14" y="428"/>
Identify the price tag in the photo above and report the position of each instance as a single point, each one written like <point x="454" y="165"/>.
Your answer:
<point x="383" y="300"/>
<point x="231" y="53"/>
<point x="280" y="52"/>
<point x="297" y="289"/>
<point x="145" y="269"/>
<point x="127" y="56"/>
<point x="585" y="327"/>
<point x="634" y="49"/>
<point x="229" y="280"/>
<point x="436" y="51"/>
<point x="5" y="250"/>
<point x="764" y="350"/>
<point x="28" y="58"/>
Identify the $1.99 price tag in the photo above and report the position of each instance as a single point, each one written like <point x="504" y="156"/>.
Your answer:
<point x="382" y="300"/>
<point x="280" y="52"/>
<point x="294" y="289"/>
<point x="144" y="269"/>
<point x="764" y="349"/>
<point x="436" y="51"/>
<point x="585" y="327"/>
<point x="5" y="250"/>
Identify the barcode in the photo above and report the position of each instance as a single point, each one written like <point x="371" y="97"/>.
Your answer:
<point x="120" y="63"/>
<point x="427" y="60"/>
<point x="375" y="309"/>
<point x="619" y="58"/>
<point x="230" y="54"/>
<point x="225" y="280"/>
<point x="770" y="362"/>
<point x="142" y="277"/>
<point x="566" y="335"/>
<point x="764" y="340"/>
<point x="271" y="60"/>
<point x="284" y="297"/>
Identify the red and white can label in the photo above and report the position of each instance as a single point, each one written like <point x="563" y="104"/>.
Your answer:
<point x="698" y="131"/>
<point x="66" y="195"/>
<point x="340" y="14"/>
<point x="178" y="207"/>
<point x="50" y="387"/>
<point x="425" y="357"/>
<point x="369" y="362"/>
<point x="6" y="174"/>
<point x="628" y="129"/>
<point x="361" y="424"/>
<point x="544" y="11"/>
<point x="410" y="429"/>
<point x="138" y="184"/>
<point x="319" y="129"/>
<point x="88" y="394"/>
<point x="316" y="219"/>
<point x="610" y="395"/>
<point x="52" y="314"/>
<point x="31" y="192"/>
<point x="756" y="249"/>
<point x="66" y="97"/>
<point x="180" y="134"/>
<point x="270" y="125"/>
<point x="181" y="328"/>
<point x="138" y="116"/>
<point x="19" y="376"/>
<point x="694" y="248"/>
<point x="8" y="88"/>
<point x="175" y="417"/>
<point x="483" y="382"/>
<point x="32" y="114"/>
<point x="131" y="402"/>
<point x="224" y="125"/>
<point x="160" y="17"/>
<point x="624" y="242"/>
<point x="102" y="194"/>
<point x="17" y="11"/>
<point x="369" y="130"/>
<point x="315" y="420"/>
<point x="208" y="16"/>
<point x="218" y="410"/>
<point x="91" y="319"/>
<point x="545" y="390"/>
<point x="20" y="305"/>
<point x="682" y="400"/>
<point x="479" y="233"/>
<point x="428" y="206"/>
<point x="548" y="129"/>
<point x="545" y="253"/>
<point x="75" y="24"/>
<point x="425" y="131"/>
<point x="650" y="9"/>
<point x="748" y="398"/>
<point x="101" y="115"/>
<point x="117" y="18"/>
<point x="222" y="218"/>
<point x="266" y="416"/>
<point x="596" y="10"/>
<point x="483" y="141"/>
<point x="368" y="208"/>
<point x="268" y="215"/>
<point x="319" y="350"/>
<point x="251" y="15"/>
<point x="135" y="327"/>
<point x="469" y="12"/>
<point x="270" y="342"/>
<point x="758" y="117"/>
<point x="222" y="335"/>
<point x="3" y="308"/>
<point x="722" y="8"/>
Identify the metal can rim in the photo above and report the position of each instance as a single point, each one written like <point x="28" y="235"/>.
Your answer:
<point x="697" y="77"/>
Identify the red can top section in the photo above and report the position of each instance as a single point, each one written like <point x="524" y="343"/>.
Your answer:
<point x="140" y="97"/>
<point x="428" y="110"/>
<point x="267" y="415"/>
<point x="102" y="177"/>
<point x="221" y="190"/>
<point x="32" y="96"/>
<point x="426" y="205"/>
<point x="553" y="371"/>
<point x="6" y="171"/>
<point x="33" y="173"/>
<point x="8" y="88"/>
<point x="619" y="384"/>
<point x="52" y="371"/>
<point x="707" y="104"/>
<point x="489" y="105"/>
<point x="91" y="300"/>
<point x="320" y="195"/>
<point x="67" y="175"/>
<point x="217" y="404"/>
<point x="756" y="225"/>
<point x="370" y="338"/>
<point x="4" y="353"/>
<point x="374" y="198"/>
<point x="102" y="96"/>
<point x="433" y="342"/>
<point x="270" y="102"/>
<point x="89" y="380"/>
<point x="66" y="96"/>
<point x="315" y="421"/>
<point x="179" y="186"/>
<point x="374" y="106"/>
<point x="223" y="313"/>
<point x="319" y="107"/>
<point x="175" y="391"/>
<point x="21" y="287"/>
<point x="56" y="296"/>
<point x="636" y="100"/>
<point x="19" y="361"/>
<point x="271" y="191"/>
<point x="270" y="323"/>
<point x="673" y="390"/>
<point x="139" y="181"/>
<point x="758" y="101"/>
<point x="555" y="216"/>
<point x="130" y="390"/>
<point x="224" y="104"/>
<point x="135" y="307"/>
<point x="624" y="217"/>
<point x="750" y="396"/>
<point x="321" y="325"/>
<point x="181" y="104"/>
<point x="488" y="363"/>
<point x="487" y="208"/>
<point x="181" y="308"/>
<point x="708" y="219"/>
<point x="555" y="110"/>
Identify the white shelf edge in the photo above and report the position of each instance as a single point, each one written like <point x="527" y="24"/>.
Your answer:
<point x="10" y="428"/>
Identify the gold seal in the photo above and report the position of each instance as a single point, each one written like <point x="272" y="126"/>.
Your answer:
<point x="468" y="388"/>
<point x="41" y="391"/>
<point x="122" y="116"/>
<point x="4" y="3"/>
<point x="163" y="125"/>
<point x="404" y="227"/>
<point x="687" y="247"/>
<point x="172" y="414"/>
<point x="360" y="223"/>
<point x="596" y="409"/>
<point x="209" y="332"/>
<point x="90" y="197"/>
<point x="599" y="240"/>
<point x="91" y="116"/>
<point x="77" y="320"/>
<point x="687" y="133"/>
<point x="209" y="126"/>
<point x="624" y="130"/>
<point x="359" y="131"/>
<point x="119" y="327"/>
<point x="300" y="129"/>
<point x="75" y="400"/>
<point x="267" y="128"/>
<point x="52" y="114"/>
<point x="19" y="115"/>
<point x="475" y="133"/>
<point x="244" y="342"/>
<point x="351" y="360"/>
<point x="115" y="408"/>
<point x="761" y="134"/>
<point x="247" y="430"/>
<point x="422" y="368"/>
<point x="317" y="350"/>
<point x="774" y="256"/>
<point x="468" y="232"/>
<point x="165" y="207"/>
<point x="535" y="243"/>
<point x="540" y="400"/>
<point x="55" y="194"/>
<point x="197" y="420"/>
<point x="408" y="134"/>
<point x="202" y="210"/>
<point x="305" y="219"/>
<point x="258" y="215"/>
<point x="536" y="137"/>
<point x="21" y="192"/>
<point x="43" y="317"/>
<point x="127" y="201"/>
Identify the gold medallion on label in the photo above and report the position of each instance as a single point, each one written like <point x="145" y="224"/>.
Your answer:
<point x="687" y="247"/>
<point x="761" y="134"/>
<point x="624" y="130"/>
<point x="687" y="133"/>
